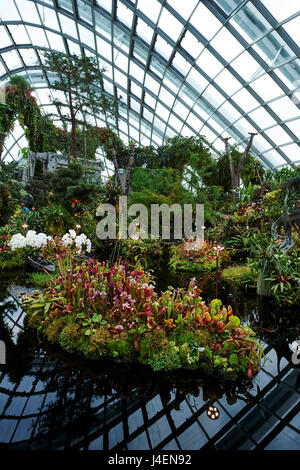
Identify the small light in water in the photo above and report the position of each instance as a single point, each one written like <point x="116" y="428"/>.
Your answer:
<point x="213" y="412"/>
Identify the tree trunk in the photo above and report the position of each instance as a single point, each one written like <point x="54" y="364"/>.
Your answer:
<point x="244" y="156"/>
<point x="130" y="165"/>
<point x="85" y="154"/>
<point x="231" y="166"/>
<point x="2" y="139"/>
<point x="115" y="162"/>
<point x="237" y="174"/>
<point x="73" y="131"/>
<point x="233" y="173"/>
<point x="73" y="122"/>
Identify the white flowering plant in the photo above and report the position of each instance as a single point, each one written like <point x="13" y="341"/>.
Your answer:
<point x="48" y="246"/>
<point x="69" y="243"/>
<point x="30" y="240"/>
<point x="80" y="242"/>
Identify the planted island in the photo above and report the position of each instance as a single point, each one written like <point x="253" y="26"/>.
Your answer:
<point x="101" y="311"/>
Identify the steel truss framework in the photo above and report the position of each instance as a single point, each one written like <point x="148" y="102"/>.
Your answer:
<point x="211" y="67"/>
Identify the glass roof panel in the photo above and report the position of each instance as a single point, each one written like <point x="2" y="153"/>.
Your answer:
<point x="184" y="8"/>
<point x="226" y="45"/>
<point x="86" y="36"/>
<point x="205" y="22"/>
<point x="151" y="8"/>
<point x="266" y="87"/>
<point x="278" y="135"/>
<point x="250" y="23"/>
<point x="227" y="82"/>
<point x="228" y="5"/>
<point x="105" y="4"/>
<point x="273" y="50"/>
<point x="289" y="74"/>
<point x="274" y="157"/>
<point x="181" y="63"/>
<point x="27" y="11"/>
<point x="5" y="39"/>
<point x="292" y="27"/>
<point x="245" y="66"/>
<point x="294" y="126"/>
<point x="144" y="31"/>
<point x="262" y="118"/>
<point x="11" y="59"/>
<point x="208" y="62"/>
<point x="124" y="14"/>
<point x="56" y="42"/>
<point x="37" y="36"/>
<point x="191" y="44"/>
<point x="29" y="56"/>
<point x="19" y="34"/>
<point x="163" y="47"/>
<point x="68" y="25"/>
<point x="293" y="152"/>
<point x="188" y="89"/>
<point x="170" y="24"/>
<point x="8" y="11"/>
<point x="285" y="108"/>
<point x="282" y="10"/>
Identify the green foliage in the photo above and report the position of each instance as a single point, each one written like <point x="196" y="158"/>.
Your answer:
<point x="120" y="347"/>
<point x="22" y="106"/>
<point x="69" y="338"/>
<point x="70" y="190"/>
<point x="282" y="269"/>
<point x="146" y="250"/>
<point x="281" y="176"/>
<point x="238" y="275"/>
<point x="40" y="279"/>
<point x="57" y="220"/>
<point x="180" y="151"/>
<point x="246" y="194"/>
<point x="52" y="329"/>
<point x="11" y="190"/>
<point x="233" y="359"/>
<point x="249" y="175"/>
<point x="158" y="186"/>
<point x="165" y="360"/>
<point x="81" y="80"/>
<point x="201" y="261"/>
<point x="9" y="262"/>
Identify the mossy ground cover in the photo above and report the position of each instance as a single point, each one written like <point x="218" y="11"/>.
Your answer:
<point x="40" y="279"/>
<point x="239" y="275"/>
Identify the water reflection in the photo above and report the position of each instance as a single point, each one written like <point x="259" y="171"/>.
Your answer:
<point x="50" y="399"/>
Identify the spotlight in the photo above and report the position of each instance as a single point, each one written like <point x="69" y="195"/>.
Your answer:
<point x="213" y="412"/>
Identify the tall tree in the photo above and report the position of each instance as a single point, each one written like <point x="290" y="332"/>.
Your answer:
<point x="236" y="173"/>
<point x="129" y="167"/>
<point x="81" y="81"/>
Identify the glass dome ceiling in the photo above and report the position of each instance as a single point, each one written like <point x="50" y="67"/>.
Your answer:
<point x="211" y="67"/>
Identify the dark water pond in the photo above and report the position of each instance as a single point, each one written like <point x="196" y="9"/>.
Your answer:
<point x="51" y="400"/>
